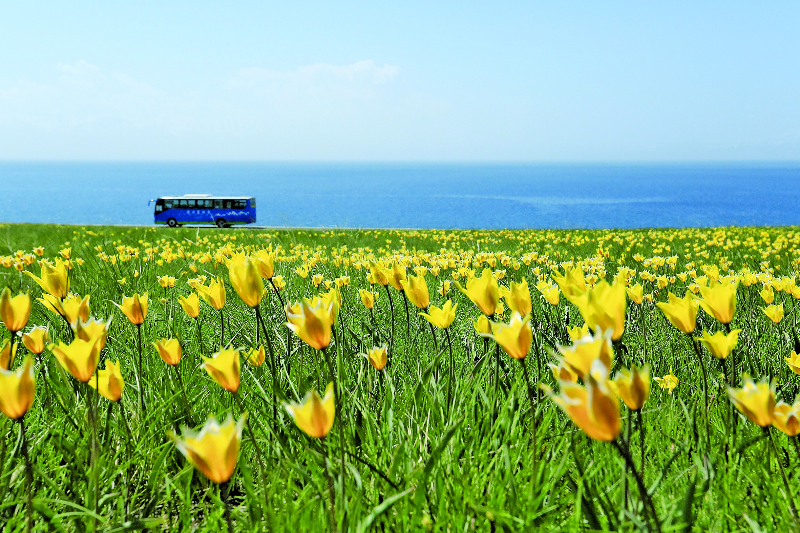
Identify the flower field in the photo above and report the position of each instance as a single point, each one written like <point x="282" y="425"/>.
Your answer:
<point x="348" y="380"/>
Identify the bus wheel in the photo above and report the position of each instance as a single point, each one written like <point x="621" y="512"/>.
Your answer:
<point x="220" y="222"/>
<point x="172" y="223"/>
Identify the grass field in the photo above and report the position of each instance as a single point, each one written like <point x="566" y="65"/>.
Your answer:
<point x="435" y="441"/>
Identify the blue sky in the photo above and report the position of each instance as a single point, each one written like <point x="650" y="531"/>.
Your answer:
<point x="402" y="81"/>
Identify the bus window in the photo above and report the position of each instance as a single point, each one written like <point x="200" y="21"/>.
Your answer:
<point x="252" y="202"/>
<point x="205" y="203"/>
<point x="217" y="204"/>
<point x="168" y="204"/>
<point x="228" y="204"/>
<point x="239" y="204"/>
<point x="184" y="203"/>
<point x="159" y="208"/>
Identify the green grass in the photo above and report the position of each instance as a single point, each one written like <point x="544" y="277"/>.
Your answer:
<point x="412" y="463"/>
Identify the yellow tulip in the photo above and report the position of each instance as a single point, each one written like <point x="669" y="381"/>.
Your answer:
<point x="518" y="297"/>
<point x="755" y="400"/>
<point x="14" y="311"/>
<point x="17" y="390"/>
<point x="396" y="276"/>
<point x="367" y="298"/>
<point x="585" y="351"/>
<point x="794" y="362"/>
<point x="549" y="292"/>
<point x="213" y="450"/>
<point x="135" y="307"/>
<point x="572" y="283"/>
<point x="635" y="293"/>
<point x="603" y="307"/>
<point x="166" y="282"/>
<point x="719" y="344"/>
<point x="36" y="339"/>
<point x="632" y="386"/>
<point x="593" y="407"/>
<point x="109" y="380"/>
<point x="484" y="292"/>
<point x="314" y="415"/>
<point x="311" y="322"/>
<point x="246" y="279"/>
<point x="190" y="304"/>
<point x="482" y="325"/>
<point x="787" y="418"/>
<point x="441" y="318"/>
<point x="6" y="354"/>
<point x="768" y="295"/>
<point x="774" y="312"/>
<point x="224" y="368"/>
<point x="416" y="290"/>
<point x="265" y="259"/>
<point x="669" y="382"/>
<point x="378" y="273"/>
<point x="79" y="358"/>
<point x="214" y="293"/>
<point x="515" y="337"/>
<point x="169" y="350"/>
<point x="75" y="308"/>
<point x="377" y="357"/>
<point x="562" y="372"/>
<point x="719" y="300"/>
<point x="332" y="299"/>
<point x="681" y="312"/>
<point x="91" y="330"/>
<point x="256" y="357"/>
<point x="577" y="332"/>
<point x="54" y="278"/>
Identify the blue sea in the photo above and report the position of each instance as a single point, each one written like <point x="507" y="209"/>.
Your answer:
<point x="415" y="195"/>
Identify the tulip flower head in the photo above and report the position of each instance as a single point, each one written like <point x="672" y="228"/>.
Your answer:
<point x="91" y="330"/>
<point x="108" y="381"/>
<point x="54" y="279"/>
<point x="79" y="358"/>
<point x="755" y="400"/>
<point x="482" y="325"/>
<point x="14" y="311"/>
<point x="515" y="337"/>
<point x="378" y="357"/>
<point x="442" y="318"/>
<point x="36" y="339"/>
<point x="549" y="292"/>
<point x="214" y="293"/>
<point x="562" y="372"/>
<point x="572" y="283"/>
<point x="793" y="361"/>
<point x="256" y="356"/>
<point x="169" y="350"/>
<point x="17" y="390"/>
<point x="635" y="293"/>
<point x="768" y="295"/>
<point x="135" y="308"/>
<point x="378" y="274"/>
<point x="632" y="386"/>
<point x="581" y="356"/>
<point x="224" y="368"/>
<point x="592" y="407"/>
<point x="367" y="298"/>
<point x="311" y="321"/>
<point x="577" y="332"/>
<point x="719" y="300"/>
<point x="483" y="291"/>
<point x="774" y="312"/>
<point x="397" y="274"/>
<point x="603" y="307"/>
<point x="518" y="297"/>
<point x="213" y="450"/>
<point x="719" y="344"/>
<point x="7" y="353"/>
<point x="190" y="304"/>
<point x="314" y="415"/>
<point x="166" y="282"/>
<point x="245" y="277"/>
<point x="681" y="312"/>
<point x="669" y="382"/>
<point x="265" y="259"/>
<point x="416" y="290"/>
<point x="787" y="417"/>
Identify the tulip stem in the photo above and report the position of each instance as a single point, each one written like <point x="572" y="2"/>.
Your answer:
<point x="649" y="509"/>
<point x="391" y="311"/>
<point x="222" y="329"/>
<point x="288" y="331"/>
<point x="224" y="489"/>
<point x="272" y="365"/>
<point x="408" y="316"/>
<point x="257" y="448"/>
<point x="189" y="420"/>
<point x="28" y="475"/>
<point x="705" y="388"/>
<point x="452" y="371"/>
<point x="139" y="378"/>
<point x="496" y="378"/>
<point x="641" y="441"/>
<point x="786" y="485"/>
<point x="199" y="334"/>
<point x="92" y="405"/>
<point x="533" y="413"/>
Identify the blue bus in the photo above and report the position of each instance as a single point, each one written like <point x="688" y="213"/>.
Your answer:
<point x="223" y="211"/>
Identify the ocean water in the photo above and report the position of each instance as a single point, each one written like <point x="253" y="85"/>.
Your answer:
<point x="400" y="195"/>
